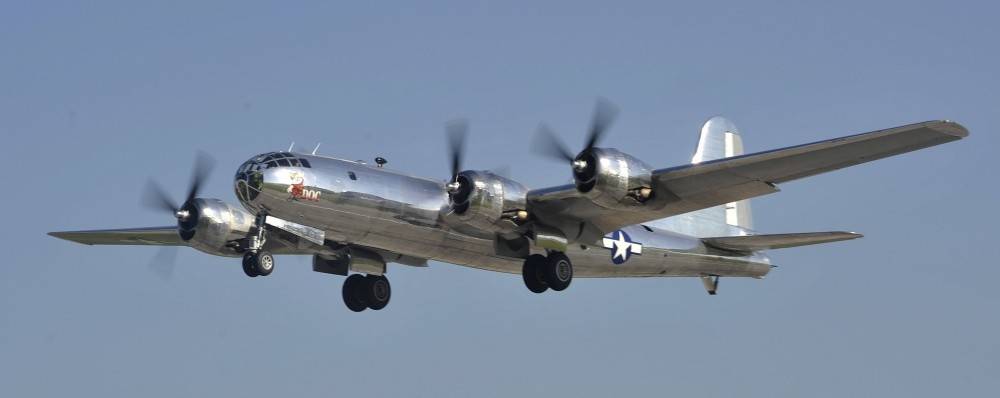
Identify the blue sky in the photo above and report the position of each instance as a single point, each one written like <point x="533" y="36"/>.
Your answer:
<point x="96" y="97"/>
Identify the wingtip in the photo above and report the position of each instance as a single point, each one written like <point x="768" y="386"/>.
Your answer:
<point x="848" y="235"/>
<point x="65" y="235"/>
<point x="951" y="128"/>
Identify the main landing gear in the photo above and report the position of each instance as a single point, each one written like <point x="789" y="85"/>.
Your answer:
<point x="368" y="291"/>
<point x="541" y="273"/>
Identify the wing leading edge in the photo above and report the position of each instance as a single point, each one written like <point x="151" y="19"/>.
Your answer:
<point x="154" y="236"/>
<point x="687" y="188"/>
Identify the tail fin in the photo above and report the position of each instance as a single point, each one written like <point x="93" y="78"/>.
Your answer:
<point x="720" y="139"/>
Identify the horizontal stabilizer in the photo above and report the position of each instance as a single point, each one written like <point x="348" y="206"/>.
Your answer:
<point x="751" y="243"/>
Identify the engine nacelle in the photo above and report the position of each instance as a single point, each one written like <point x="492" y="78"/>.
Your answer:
<point x="612" y="179"/>
<point x="211" y="224"/>
<point x="487" y="202"/>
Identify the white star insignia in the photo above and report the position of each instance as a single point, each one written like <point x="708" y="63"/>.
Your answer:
<point x="621" y="248"/>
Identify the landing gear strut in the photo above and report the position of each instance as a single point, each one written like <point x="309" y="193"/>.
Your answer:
<point x="369" y="291"/>
<point x="257" y="261"/>
<point x="541" y="273"/>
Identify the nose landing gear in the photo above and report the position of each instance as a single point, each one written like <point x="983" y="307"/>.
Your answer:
<point x="541" y="273"/>
<point x="369" y="291"/>
<point x="257" y="261"/>
<point x="260" y="263"/>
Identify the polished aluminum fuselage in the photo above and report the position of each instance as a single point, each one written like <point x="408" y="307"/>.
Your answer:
<point x="358" y="204"/>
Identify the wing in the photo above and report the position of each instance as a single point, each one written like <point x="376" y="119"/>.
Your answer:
<point x="167" y="236"/>
<point x="155" y="236"/>
<point x="753" y="243"/>
<point x="687" y="188"/>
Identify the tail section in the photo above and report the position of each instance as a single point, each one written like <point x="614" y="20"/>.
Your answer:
<point x="752" y="243"/>
<point x="719" y="139"/>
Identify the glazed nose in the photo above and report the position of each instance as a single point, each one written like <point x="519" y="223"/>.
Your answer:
<point x="249" y="185"/>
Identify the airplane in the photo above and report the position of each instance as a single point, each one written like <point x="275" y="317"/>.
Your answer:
<point x="618" y="218"/>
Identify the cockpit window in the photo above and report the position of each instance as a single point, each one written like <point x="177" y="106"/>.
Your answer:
<point x="273" y="159"/>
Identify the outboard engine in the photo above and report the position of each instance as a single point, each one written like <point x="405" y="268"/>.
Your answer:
<point x="212" y="226"/>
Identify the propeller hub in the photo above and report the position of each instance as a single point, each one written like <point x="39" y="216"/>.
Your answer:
<point x="579" y="165"/>
<point x="453" y="186"/>
<point x="182" y="214"/>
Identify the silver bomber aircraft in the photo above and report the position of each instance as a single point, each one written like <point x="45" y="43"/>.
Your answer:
<point x="619" y="218"/>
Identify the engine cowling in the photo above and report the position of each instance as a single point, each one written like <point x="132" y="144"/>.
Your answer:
<point x="209" y="225"/>
<point x="612" y="179"/>
<point x="484" y="201"/>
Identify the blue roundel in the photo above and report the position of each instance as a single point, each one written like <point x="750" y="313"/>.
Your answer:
<point x="622" y="246"/>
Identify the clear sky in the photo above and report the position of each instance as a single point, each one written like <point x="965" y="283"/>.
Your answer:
<point x="96" y="98"/>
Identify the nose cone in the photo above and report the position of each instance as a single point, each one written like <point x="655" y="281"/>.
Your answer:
<point x="249" y="182"/>
<point x="272" y="179"/>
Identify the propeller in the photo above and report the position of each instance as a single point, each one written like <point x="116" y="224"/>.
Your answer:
<point x="456" y="131"/>
<point x="156" y="198"/>
<point x="547" y="143"/>
<point x="164" y="262"/>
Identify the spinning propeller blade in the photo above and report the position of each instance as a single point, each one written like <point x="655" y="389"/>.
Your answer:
<point x="456" y="130"/>
<point x="164" y="262"/>
<point x="547" y="143"/>
<point x="156" y="198"/>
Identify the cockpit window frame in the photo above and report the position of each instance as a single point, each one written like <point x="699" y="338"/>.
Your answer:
<point x="274" y="160"/>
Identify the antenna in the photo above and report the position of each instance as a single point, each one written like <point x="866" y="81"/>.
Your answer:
<point x="290" y="147"/>
<point x="317" y="147"/>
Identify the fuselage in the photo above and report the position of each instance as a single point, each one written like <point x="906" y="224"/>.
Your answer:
<point x="356" y="203"/>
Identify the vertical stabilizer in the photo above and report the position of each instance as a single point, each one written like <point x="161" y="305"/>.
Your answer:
<point x="719" y="139"/>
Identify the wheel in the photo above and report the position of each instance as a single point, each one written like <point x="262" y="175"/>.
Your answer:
<point x="377" y="292"/>
<point x="558" y="271"/>
<point x="531" y="271"/>
<point x="248" y="265"/>
<point x="263" y="263"/>
<point x="354" y="286"/>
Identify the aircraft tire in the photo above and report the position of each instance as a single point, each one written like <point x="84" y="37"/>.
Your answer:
<point x="532" y="273"/>
<point x="377" y="291"/>
<point x="248" y="265"/>
<point x="354" y="286"/>
<point x="263" y="263"/>
<point x="558" y="271"/>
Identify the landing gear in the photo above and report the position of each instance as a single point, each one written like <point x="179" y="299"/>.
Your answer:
<point x="257" y="261"/>
<point x="258" y="264"/>
<point x="370" y="291"/>
<point x="533" y="273"/>
<point x="554" y="271"/>
<point x="248" y="265"/>
<point x="558" y="271"/>
<point x="711" y="283"/>
<point x="353" y="293"/>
